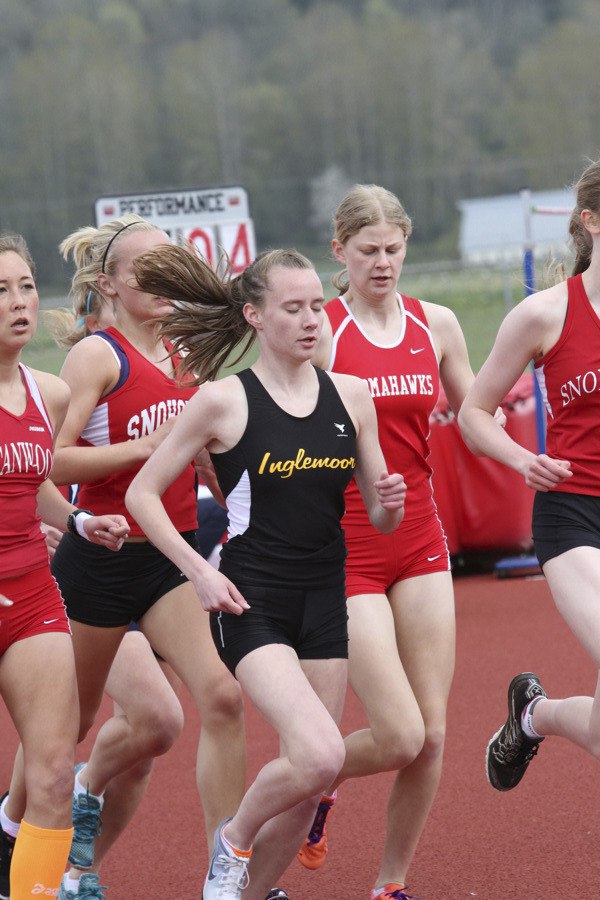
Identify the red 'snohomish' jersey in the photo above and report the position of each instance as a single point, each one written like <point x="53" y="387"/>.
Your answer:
<point x="569" y="380"/>
<point x="26" y="457"/>
<point x="143" y="398"/>
<point x="403" y="379"/>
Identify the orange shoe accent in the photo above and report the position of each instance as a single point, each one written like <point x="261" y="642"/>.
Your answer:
<point x="394" y="890"/>
<point x="242" y="854"/>
<point x="314" y="850"/>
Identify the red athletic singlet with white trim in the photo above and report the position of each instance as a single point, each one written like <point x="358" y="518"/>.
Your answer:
<point x="26" y="458"/>
<point x="569" y="380"/>
<point x="135" y="408"/>
<point x="403" y="379"/>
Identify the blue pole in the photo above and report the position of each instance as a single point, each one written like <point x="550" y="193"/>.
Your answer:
<point x="529" y="271"/>
<point x="529" y="275"/>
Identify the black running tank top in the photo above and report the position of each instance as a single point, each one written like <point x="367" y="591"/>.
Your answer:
<point x="284" y="483"/>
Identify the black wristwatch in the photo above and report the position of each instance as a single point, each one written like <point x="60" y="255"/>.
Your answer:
<point x="71" y="524"/>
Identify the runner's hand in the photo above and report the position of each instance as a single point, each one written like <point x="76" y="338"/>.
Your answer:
<point x="543" y="473"/>
<point x="53" y="536"/>
<point x="4" y="601"/>
<point x="500" y="417"/>
<point x="108" y="531"/>
<point x="218" y="594"/>
<point x="391" y="490"/>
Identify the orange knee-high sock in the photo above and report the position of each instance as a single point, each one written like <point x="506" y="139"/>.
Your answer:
<point x="38" y="861"/>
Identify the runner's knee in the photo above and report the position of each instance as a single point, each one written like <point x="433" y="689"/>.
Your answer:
<point x="221" y="702"/>
<point x="400" y="743"/>
<point x="161" y="728"/>
<point x="433" y="746"/>
<point x="322" y="761"/>
<point x="49" y="778"/>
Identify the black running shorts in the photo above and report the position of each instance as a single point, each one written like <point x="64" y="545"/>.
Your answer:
<point x="313" y="622"/>
<point x="108" y="589"/>
<point x="562" y="521"/>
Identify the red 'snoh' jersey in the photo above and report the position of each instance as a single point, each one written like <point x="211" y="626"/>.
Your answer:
<point x="142" y="400"/>
<point x="403" y="378"/>
<point x="569" y="380"/>
<point x="26" y="458"/>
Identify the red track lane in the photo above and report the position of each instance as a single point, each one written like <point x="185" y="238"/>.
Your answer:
<point x="538" y="842"/>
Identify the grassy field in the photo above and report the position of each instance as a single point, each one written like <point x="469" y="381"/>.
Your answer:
<point x="479" y="297"/>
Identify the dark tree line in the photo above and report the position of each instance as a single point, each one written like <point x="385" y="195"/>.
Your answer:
<point x="295" y="99"/>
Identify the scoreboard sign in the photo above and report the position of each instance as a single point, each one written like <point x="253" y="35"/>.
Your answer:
<point x="213" y="220"/>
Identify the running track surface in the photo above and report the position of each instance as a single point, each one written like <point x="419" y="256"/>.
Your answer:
<point x="537" y="842"/>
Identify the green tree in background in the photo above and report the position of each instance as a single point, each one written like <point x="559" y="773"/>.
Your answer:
<point x="438" y="100"/>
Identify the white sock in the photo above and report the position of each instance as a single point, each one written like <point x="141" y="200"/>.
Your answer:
<point x="78" y="789"/>
<point x="8" y="826"/>
<point x="71" y="884"/>
<point x="527" y="719"/>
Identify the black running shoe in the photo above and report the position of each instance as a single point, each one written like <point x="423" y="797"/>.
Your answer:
<point x="6" y="849"/>
<point x="277" y="894"/>
<point x="510" y="750"/>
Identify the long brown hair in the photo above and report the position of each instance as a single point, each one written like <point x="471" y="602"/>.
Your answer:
<point x="207" y="323"/>
<point x="587" y="196"/>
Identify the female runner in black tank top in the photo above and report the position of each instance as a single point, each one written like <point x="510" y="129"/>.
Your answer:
<point x="285" y="438"/>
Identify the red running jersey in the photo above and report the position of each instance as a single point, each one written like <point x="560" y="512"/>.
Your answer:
<point x="26" y="458"/>
<point x="403" y="379"/>
<point x="569" y="380"/>
<point x="143" y="398"/>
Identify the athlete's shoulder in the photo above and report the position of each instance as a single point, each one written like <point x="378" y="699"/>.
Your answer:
<point x="544" y="308"/>
<point x="436" y="314"/>
<point x="51" y="386"/>
<point x="91" y="365"/>
<point x="550" y="299"/>
<point x="55" y="392"/>
<point x="222" y="393"/>
<point x="221" y="409"/>
<point x="94" y="349"/>
<point x="350" y="387"/>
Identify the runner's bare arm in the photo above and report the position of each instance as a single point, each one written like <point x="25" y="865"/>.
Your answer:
<point x="211" y="415"/>
<point x="54" y="509"/>
<point x="382" y="492"/>
<point x="90" y="370"/>
<point x="456" y="373"/>
<point x="518" y="341"/>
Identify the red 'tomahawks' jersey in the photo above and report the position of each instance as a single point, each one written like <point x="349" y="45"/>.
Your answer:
<point x="25" y="461"/>
<point x="569" y="380"/>
<point x="403" y="379"/>
<point x="143" y="398"/>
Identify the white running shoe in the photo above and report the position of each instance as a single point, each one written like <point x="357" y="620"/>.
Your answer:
<point x="227" y="873"/>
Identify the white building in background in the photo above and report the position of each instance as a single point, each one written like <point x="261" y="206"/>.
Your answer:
<point x="493" y="229"/>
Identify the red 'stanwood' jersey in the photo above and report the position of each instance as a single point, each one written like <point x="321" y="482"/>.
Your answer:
<point x="25" y="461"/>
<point x="142" y="400"/>
<point x="569" y="380"/>
<point x="403" y="378"/>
